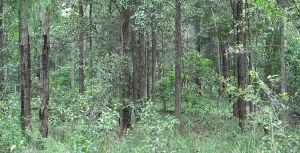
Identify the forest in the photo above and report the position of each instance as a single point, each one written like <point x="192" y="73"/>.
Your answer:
<point x="139" y="76"/>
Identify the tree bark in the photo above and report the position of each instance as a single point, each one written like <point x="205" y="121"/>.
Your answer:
<point x="178" y="63"/>
<point x="125" y="112"/>
<point x="282" y="54"/>
<point x="81" y="51"/>
<point x="154" y="52"/>
<point x="241" y="66"/>
<point x="43" y="111"/>
<point x="25" y="66"/>
<point x="91" y="41"/>
<point x="2" y="81"/>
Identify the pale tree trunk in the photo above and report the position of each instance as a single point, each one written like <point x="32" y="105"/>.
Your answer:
<point x="25" y="66"/>
<point x="235" y="60"/>
<point x="282" y="54"/>
<point x="220" y="70"/>
<point x="148" y="64"/>
<point x="178" y="63"/>
<point x="81" y="49"/>
<point x="73" y="65"/>
<point x="2" y="80"/>
<point x="43" y="111"/>
<point x="154" y="52"/>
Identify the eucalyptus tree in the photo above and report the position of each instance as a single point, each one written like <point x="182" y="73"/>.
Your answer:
<point x="178" y="63"/>
<point x="2" y="80"/>
<point x="25" y="66"/>
<point x="240" y="67"/>
<point x="45" y="51"/>
<point x="81" y="47"/>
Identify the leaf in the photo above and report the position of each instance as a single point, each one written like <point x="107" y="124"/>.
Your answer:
<point x="13" y="147"/>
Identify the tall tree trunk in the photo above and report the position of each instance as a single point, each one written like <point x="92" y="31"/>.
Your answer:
<point x="282" y="53"/>
<point x="73" y="65"/>
<point x="43" y="111"/>
<point x="235" y="56"/>
<point x="241" y="66"/>
<point x="125" y="112"/>
<point x="154" y="50"/>
<point x="148" y="65"/>
<point x="178" y="63"/>
<point x="220" y="70"/>
<point x="81" y="49"/>
<point x="2" y="81"/>
<point x="91" y="41"/>
<point x="25" y="66"/>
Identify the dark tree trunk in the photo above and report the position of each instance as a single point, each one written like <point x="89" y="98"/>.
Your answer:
<point x="43" y="111"/>
<point x="178" y="63"/>
<point x="154" y="48"/>
<point x="25" y="66"/>
<point x="125" y="112"/>
<point x="282" y="54"/>
<point x="81" y="51"/>
<point x="241" y="66"/>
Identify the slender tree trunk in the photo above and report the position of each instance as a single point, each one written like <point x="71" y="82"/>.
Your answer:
<point x="25" y="69"/>
<point x="154" y="52"/>
<point x="178" y="49"/>
<point x="73" y="65"/>
<point x="282" y="54"/>
<point x="220" y="70"/>
<point x="241" y="66"/>
<point x="81" y="49"/>
<point x="148" y="65"/>
<point x="43" y="111"/>
<point x="2" y="81"/>
<point x="91" y="41"/>
<point x="235" y="56"/>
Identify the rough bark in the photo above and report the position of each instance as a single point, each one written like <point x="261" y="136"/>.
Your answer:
<point x="125" y="112"/>
<point x="43" y="111"/>
<point x="178" y="62"/>
<point x="81" y="51"/>
<point x="154" y="52"/>
<point x="241" y="66"/>
<point x="25" y="66"/>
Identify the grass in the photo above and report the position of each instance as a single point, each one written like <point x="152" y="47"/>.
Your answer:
<point x="212" y="129"/>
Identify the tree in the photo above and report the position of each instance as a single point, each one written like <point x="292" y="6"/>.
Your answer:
<point x="125" y="111"/>
<point x="2" y="81"/>
<point x="25" y="66"/>
<point x="154" y="52"/>
<point x="43" y="111"/>
<point x="81" y="51"/>
<point x="178" y="62"/>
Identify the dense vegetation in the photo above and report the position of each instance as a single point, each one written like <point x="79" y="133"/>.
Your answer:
<point x="149" y="76"/>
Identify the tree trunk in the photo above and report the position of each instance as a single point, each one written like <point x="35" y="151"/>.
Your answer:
<point x="241" y="66"/>
<point x="154" y="50"/>
<point x="282" y="54"/>
<point x="2" y="81"/>
<point x="235" y="60"/>
<point x="91" y="41"/>
<point x="125" y="112"/>
<point x="81" y="51"/>
<point x="43" y="111"/>
<point x="178" y="63"/>
<point x="220" y="70"/>
<point x="25" y="66"/>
